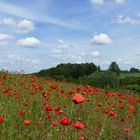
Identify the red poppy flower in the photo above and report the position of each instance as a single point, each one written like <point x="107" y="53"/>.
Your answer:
<point x="81" y="138"/>
<point x="78" y="89"/>
<point x="1" y="120"/>
<point x="79" y="125"/>
<point x="25" y="104"/>
<point x="126" y="129"/>
<point x="58" y="110"/>
<point x="53" y="86"/>
<point x="48" y="108"/>
<point x="22" y="112"/>
<point x="64" y="121"/>
<point x="78" y="98"/>
<point x="1" y="83"/>
<point x="54" y="123"/>
<point x="27" y="122"/>
<point x="112" y="113"/>
<point x="49" y="115"/>
<point x="106" y="111"/>
<point x="131" y="108"/>
<point x="5" y="90"/>
<point x="100" y="104"/>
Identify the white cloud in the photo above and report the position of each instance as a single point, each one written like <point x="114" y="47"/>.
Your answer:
<point x="63" y="45"/>
<point x="25" y="26"/>
<point x="121" y="19"/>
<point x="127" y="62"/>
<point x="4" y="37"/>
<point x="74" y="58"/>
<point x="22" y="26"/>
<point x="23" y="12"/>
<point x="22" y="61"/>
<point x="95" y="53"/>
<point x="101" y="39"/>
<point x="29" y="41"/>
<point x="120" y="1"/>
<point x="100" y="2"/>
<point x="82" y="53"/>
<point x="9" y="22"/>
<point x="97" y="1"/>
<point x="56" y="51"/>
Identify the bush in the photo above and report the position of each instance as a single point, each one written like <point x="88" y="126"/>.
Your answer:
<point x="131" y="80"/>
<point x="103" y="79"/>
<point x="134" y="88"/>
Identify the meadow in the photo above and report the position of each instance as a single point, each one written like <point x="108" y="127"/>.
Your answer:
<point x="34" y="108"/>
<point x="123" y="75"/>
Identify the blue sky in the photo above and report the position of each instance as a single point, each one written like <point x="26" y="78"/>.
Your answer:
<point x="39" y="34"/>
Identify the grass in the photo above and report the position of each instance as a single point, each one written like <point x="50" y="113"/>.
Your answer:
<point x="123" y="75"/>
<point x="106" y="115"/>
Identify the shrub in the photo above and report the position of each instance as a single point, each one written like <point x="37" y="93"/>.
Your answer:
<point x="103" y="79"/>
<point x="134" y="88"/>
<point x="131" y="80"/>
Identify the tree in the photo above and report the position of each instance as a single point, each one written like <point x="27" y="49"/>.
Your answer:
<point x="133" y="70"/>
<point x="114" y="68"/>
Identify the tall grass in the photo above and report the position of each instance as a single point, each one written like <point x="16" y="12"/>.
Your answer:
<point x="105" y="115"/>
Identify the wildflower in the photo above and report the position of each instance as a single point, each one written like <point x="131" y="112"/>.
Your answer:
<point x="54" y="123"/>
<point x="126" y="129"/>
<point x="79" y="125"/>
<point x="27" y="122"/>
<point x="49" y="115"/>
<point x="48" y="108"/>
<point x="81" y="138"/>
<point x="58" y="110"/>
<point x="21" y="112"/>
<point x="78" y="98"/>
<point x="64" y="121"/>
<point x="25" y="104"/>
<point x="53" y="86"/>
<point x="100" y="104"/>
<point x="1" y="119"/>
<point x="5" y="90"/>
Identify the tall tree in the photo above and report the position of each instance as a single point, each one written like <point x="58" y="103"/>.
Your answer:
<point x="114" y="67"/>
<point x="133" y="70"/>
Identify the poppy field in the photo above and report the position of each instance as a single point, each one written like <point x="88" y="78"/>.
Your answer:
<point x="34" y="108"/>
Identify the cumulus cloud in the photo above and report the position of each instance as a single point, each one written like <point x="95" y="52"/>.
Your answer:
<point x="101" y="39"/>
<point x="121" y="19"/>
<point x="9" y="21"/>
<point x="23" y="26"/>
<point x="120" y="1"/>
<point x="63" y="45"/>
<point x="29" y="41"/>
<point x="97" y="1"/>
<point x="95" y="53"/>
<point x="4" y="37"/>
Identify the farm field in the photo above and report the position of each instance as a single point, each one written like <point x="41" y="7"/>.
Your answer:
<point x="33" y="108"/>
<point x="123" y="75"/>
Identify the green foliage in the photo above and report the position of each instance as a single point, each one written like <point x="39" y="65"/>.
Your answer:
<point x="134" y="70"/>
<point x="134" y="88"/>
<point x="130" y="80"/>
<point x="114" y="68"/>
<point x="73" y="71"/>
<point x="103" y="79"/>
